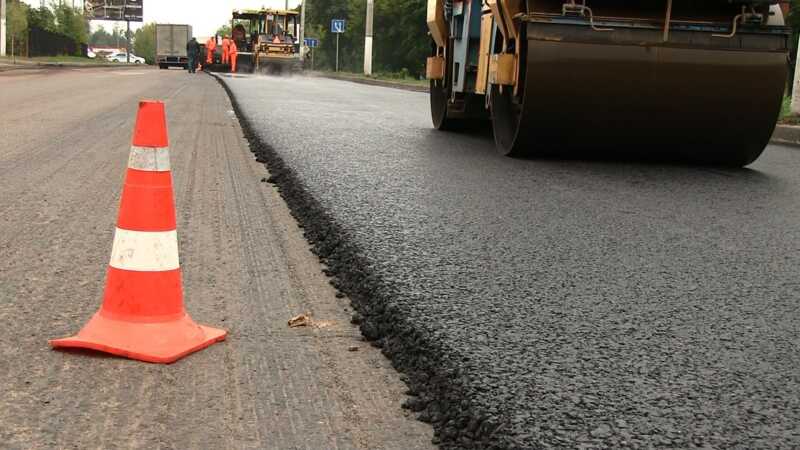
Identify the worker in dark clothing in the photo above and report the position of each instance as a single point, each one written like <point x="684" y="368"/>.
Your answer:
<point x="193" y="52"/>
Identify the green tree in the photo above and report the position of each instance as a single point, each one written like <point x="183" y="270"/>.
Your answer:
<point x="42" y="18"/>
<point x="318" y="19"/>
<point x="102" y="38"/>
<point x="224" y="30"/>
<point x="16" y="25"/>
<point x="400" y="43"/>
<point x="144" y="42"/>
<point x="793" y="19"/>
<point x="71" y="23"/>
<point x="401" y="37"/>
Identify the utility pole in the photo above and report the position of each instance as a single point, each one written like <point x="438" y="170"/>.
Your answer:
<point x="128" y="45"/>
<point x="302" y="28"/>
<point x="795" y="105"/>
<point x="2" y="27"/>
<point x="368" y="39"/>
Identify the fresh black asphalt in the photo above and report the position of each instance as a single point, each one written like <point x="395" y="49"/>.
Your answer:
<point x="544" y="303"/>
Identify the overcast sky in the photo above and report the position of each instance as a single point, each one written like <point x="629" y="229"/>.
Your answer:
<point x="203" y="15"/>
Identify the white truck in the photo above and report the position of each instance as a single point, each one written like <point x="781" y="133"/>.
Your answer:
<point x="171" y="40"/>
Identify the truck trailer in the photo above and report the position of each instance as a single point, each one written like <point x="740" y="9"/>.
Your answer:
<point x="171" y="40"/>
<point x="701" y="80"/>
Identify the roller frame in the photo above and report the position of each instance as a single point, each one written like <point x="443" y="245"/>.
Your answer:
<point x="741" y="77"/>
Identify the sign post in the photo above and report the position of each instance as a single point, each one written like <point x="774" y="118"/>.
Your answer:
<point x="337" y="27"/>
<point x="311" y="43"/>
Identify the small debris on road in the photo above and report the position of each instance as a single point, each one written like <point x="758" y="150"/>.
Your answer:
<point x="302" y="320"/>
<point x="353" y="348"/>
<point x="305" y="320"/>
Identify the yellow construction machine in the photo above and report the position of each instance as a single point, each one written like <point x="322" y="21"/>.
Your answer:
<point x="267" y="40"/>
<point x="701" y="79"/>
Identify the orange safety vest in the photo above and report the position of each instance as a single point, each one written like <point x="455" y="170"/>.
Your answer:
<point x="233" y="48"/>
<point x="211" y="44"/>
<point x="226" y="43"/>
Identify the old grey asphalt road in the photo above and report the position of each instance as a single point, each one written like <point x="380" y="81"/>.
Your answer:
<point x="64" y="141"/>
<point x="548" y="303"/>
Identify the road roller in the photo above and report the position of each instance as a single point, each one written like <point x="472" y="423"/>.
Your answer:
<point x="267" y="40"/>
<point x="700" y="80"/>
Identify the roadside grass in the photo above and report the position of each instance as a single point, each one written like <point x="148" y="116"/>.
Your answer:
<point x="400" y="77"/>
<point x="786" y="117"/>
<point x="62" y="59"/>
<point x="68" y="59"/>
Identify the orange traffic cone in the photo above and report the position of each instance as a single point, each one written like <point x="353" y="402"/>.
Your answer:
<point x="142" y="316"/>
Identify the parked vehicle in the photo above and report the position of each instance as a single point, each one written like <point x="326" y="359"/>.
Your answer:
<point x="171" y="40"/>
<point x="121" y="57"/>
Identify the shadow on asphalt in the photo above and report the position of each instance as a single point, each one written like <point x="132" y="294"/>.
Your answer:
<point x="88" y="353"/>
<point x="480" y="133"/>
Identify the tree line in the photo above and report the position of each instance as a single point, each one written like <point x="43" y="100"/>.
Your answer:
<point x="400" y="35"/>
<point x="58" y="21"/>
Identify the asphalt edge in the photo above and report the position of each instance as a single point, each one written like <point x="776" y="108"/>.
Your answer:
<point x="368" y="81"/>
<point x="437" y="393"/>
<point x="786" y="135"/>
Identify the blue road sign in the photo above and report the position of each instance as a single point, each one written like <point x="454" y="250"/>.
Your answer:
<point x="311" y="42"/>
<point x="337" y="26"/>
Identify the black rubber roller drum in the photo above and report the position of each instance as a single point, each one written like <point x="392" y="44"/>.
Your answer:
<point x="703" y="98"/>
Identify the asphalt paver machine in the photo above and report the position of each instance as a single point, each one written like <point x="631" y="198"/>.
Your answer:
<point x="702" y="79"/>
<point x="267" y="40"/>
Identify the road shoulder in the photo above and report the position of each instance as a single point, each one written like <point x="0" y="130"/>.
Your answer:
<point x="786" y="135"/>
<point x="246" y="268"/>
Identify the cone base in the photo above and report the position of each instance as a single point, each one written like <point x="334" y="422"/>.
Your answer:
<point x="159" y="342"/>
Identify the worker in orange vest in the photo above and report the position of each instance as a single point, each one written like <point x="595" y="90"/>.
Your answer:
<point x="211" y="45"/>
<point x="233" y="52"/>
<point x="226" y="48"/>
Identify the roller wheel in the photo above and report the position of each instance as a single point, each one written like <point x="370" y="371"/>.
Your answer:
<point x="440" y="95"/>
<point x="509" y="118"/>
<point x="507" y="121"/>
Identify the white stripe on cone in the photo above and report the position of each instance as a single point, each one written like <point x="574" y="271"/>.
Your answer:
<point x="149" y="159"/>
<point x="145" y="251"/>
